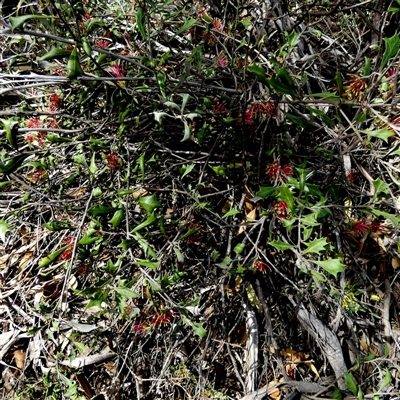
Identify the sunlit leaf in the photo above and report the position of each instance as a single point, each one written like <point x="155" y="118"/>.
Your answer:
<point x="333" y="266"/>
<point x="74" y="67"/>
<point x="117" y="218"/>
<point x="316" y="246"/>
<point x="44" y="262"/>
<point x="4" y="228"/>
<point x="149" y="203"/>
<point x="281" y="245"/>
<point x="392" y="45"/>
<point x="350" y="382"/>
<point x="18" y="22"/>
<point x="383" y="133"/>
<point x="55" y="52"/>
<point x="100" y="210"/>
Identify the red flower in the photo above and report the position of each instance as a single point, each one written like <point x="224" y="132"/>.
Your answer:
<point x="38" y="175"/>
<point x="261" y="266"/>
<point x="353" y="88"/>
<point x="217" y="24"/>
<point x="117" y="71"/>
<point x="162" y="317"/>
<point x="113" y="160"/>
<point x="103" y="43"/>
<point x="83" y="270"/>
<point x="276" y="172"/>
<point x="351" y="177"/>
<point x="140" y="328"/>
<point x="376" y="226"/>
<point x="248" y="117"/>
<point x="222" y="60"/>
<point x="281" y="209"/>
<point x="360" y="227"/>
<point x="33" y="123"/>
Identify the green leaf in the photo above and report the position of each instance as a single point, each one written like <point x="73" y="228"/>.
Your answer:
<point x="392" y="45"/>
<point x="125" y="292"/>
<point x="280" y="87"/>
<point x="198" y="330"/>
<point x="186" y="25"/>
<point x="93" y="167"/>
<point x="12" y="164"/>
<point x="4" y="228"/>
<point x="86" y="46"/>
<point x="259" y="72"/>
<point x="149" y="203"/>
<point x="220" y="170"/>
<point x="92" y="25"/>
<point x="11" y="128"/>
<point x="333" y="266"/>
<point x="239" y="248"/>
<point x="350" y="382"/>
<point x="231" y="213"/>
<point x="380" y="187"/>
<point x="225" y="263"/>
<point x="145" y="223"/>
<point x="387" y="379"/>
<point x="100" y="210"/>
<point x="187" y="132"/>
<point x="316" y="246"/>
<point x="44" y="262"/>
<point x="55" y="52"/>
<point x="153" y="265"/>
<point x="266" y="191"/>
<point x="281" y="245"/>
<point x="380" y="213"/>
<point x="286" y="194"/>
<point x="296" y="120"/>
<point x="57" y="225"/>
<point x="140" y="20"/>
<point x="74" y="67"/>
<point x="190" y="232"/>
<point x="383" y="133"/>
<point x="88" y="239"/>
<point x="18" y="22"/>
<point x="187" y="169"/>
<point x="117" y="218"/>
<point x="326" y="96"/>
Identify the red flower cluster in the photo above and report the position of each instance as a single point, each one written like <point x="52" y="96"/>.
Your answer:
<point x="362" y="226"/>
<point x="261" y="266"/>
<point x="35" y="123"/>
<point x="281" y="209"/>
<point x="162" y="317"/>
<point x="353" y="88"/>
<point x="113" y="160"/>
<point x="275" y="171"/>
<point x="55" y="102"/>
<point x="38" y="175"/>
<point x="262" y="110"/>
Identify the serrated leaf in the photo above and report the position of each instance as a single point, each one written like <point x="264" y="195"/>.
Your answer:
<point x="392" y="45"/>
<point x="145" y="223"/>
<point x="55" y="52"/>
<point x="158" y="116"/>
<point x="286" y="194"/>
<point x="140" y="20"/>
<point x="45" y="261"/>
<point x="316" y="246"/>
<point x="281" y="245"/>
<point x="380" y="187"/>
<point x="383" y="133"/>
<point x="225" y="263"/>
<point x="18" y="22"/>
<point x="266" y="191"/>
<point x="73" y="66"/>
<point x="231" y="213"/>
<point x="333" y="266"/>
<point x="198" y="330"/>
<point x="149" y="203"/>
<point x="126" y="293"/>
<point x="350" y="382"/>
<point x="220" y="170"/>
<point x="4" y="228"/>
<point x="153" y="265"/>
<point x="280" y="87"/>
<point x="379" y="213"/>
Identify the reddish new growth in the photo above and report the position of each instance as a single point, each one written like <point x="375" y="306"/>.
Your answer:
<point x="218" y="25"/>
<point x="281" y="209"/>
<point x="162" y="317"/>
<point x="218" y="107"/>
<point x="34" y="138"/>
<point x="261" y="266"/>
<point x="83" y="270"/>
<point x="275" y="171"/>
<point x="33" y="123"/>
<point x="351" y="177"/>
<point x="222" y="60"/>
<point x="362" y="226"/>
<point x="67" y="253"/>
<point x="353" y="88"/>
<point x="113" y="160"/>
<point x="140" y="328"/>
